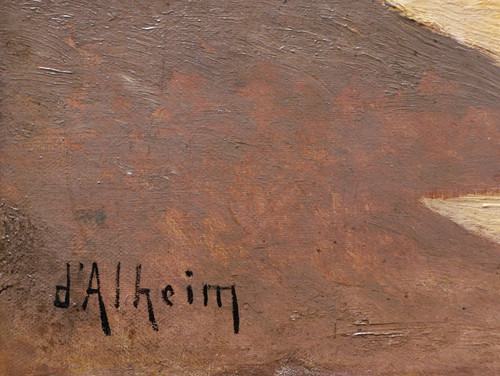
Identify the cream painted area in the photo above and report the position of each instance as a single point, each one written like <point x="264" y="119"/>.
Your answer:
<point x="472" y="22"/>
<point x="477" y="213"/>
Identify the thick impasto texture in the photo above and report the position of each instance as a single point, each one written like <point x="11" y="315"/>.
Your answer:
<point x="237" y="187"/>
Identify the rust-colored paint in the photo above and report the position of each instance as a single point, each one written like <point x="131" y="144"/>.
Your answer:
<point x="281" y="148"/>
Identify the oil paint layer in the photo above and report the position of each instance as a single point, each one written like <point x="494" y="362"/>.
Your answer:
<point x="472" y="22"/>
<point x="477" y="213"/>
<point x="215" y="188"/>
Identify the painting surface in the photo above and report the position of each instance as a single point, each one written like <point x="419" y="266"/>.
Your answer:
<point x="251" y="188"/>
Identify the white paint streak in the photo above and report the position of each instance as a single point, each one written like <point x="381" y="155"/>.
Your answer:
<point x="54" y="70"/>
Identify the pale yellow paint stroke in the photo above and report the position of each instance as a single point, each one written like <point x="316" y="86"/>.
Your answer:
<point x="472" y="22"/>
<point x="479" y="214"/>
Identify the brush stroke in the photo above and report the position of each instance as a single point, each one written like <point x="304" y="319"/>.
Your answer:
<point x="477" y="213"/>
<point x="475" y="23"/>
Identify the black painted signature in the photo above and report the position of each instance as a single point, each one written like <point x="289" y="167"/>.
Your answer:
<point x="94" y="288"/>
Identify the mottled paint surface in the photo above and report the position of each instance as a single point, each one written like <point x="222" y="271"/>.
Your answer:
<point x="280" y="146"/>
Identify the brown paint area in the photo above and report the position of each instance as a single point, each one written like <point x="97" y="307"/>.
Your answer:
<point x="282" y="147"/>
